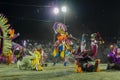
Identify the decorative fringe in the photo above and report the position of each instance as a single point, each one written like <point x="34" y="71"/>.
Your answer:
<point x="4" y="26"/>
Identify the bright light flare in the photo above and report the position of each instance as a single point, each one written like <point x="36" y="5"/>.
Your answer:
<point x="56" y="10"/>
<point x="64" y="9"/>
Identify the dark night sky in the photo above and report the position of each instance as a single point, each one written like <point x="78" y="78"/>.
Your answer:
<point x="34" y="19"/>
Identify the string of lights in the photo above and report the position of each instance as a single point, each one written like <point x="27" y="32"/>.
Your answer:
<point x="25" y="5"/>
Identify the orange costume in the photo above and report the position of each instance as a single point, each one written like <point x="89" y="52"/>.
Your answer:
<point x="9" y="57"/>
<point x="11" y="32"/>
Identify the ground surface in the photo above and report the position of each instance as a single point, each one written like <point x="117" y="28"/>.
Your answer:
<point x="58" y="72"/>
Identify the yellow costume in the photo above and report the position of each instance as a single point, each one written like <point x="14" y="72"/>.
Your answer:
<point x="36" y="61"/>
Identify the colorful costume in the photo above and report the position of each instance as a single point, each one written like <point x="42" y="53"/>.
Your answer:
<point x="6" y="37"/>
<point x="63" y="43"/>
<point x="30" y="61"/>
<point x="114" y="57"/>
<point x="85" y="58"/>
<point x="95" y="40"/>
<point x="5" y="41"/>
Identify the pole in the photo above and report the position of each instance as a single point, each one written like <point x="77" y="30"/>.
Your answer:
<point x="64" y="18"/>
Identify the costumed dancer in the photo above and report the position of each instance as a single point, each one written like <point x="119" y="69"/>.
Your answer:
<point x="36" y="61"/>
<point x="12" y="36"/>
<point x="95" y="40"/>
<point x="11" y="57"/>
<point x="94" y="45"/>
<point x="79" y="53"/>
<point x="63" y="43"/>
<point x="85" y="58"/>
<point x="6" y="37"/>
<point x="30" y="61"/>
<point x="114" y="57"/>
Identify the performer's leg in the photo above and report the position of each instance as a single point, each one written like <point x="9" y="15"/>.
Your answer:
<point x="78" y="67"/>
<point x="56" y="58"/>
<point x="65" y="61"/>
<point x="97" y="62"/>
